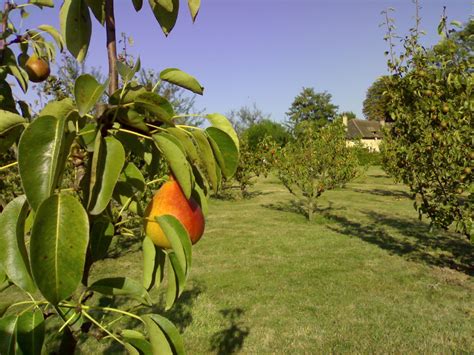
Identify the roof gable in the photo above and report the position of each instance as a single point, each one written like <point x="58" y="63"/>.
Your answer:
<point x="363" y="129"/>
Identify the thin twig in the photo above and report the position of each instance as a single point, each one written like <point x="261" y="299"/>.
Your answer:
<point x="8" y="166"/>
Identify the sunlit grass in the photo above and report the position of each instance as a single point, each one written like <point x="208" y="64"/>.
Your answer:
<point x="365" y="277"/>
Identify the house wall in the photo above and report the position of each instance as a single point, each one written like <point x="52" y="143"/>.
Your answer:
<point x="371" y="144"/>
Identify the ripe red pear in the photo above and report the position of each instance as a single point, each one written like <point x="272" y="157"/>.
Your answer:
<point x="170" y="200"/>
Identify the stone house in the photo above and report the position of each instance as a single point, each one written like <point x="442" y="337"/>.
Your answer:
<point x="369" y="133"/>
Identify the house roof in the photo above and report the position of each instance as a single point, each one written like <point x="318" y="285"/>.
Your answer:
<point x="363" y="129"/>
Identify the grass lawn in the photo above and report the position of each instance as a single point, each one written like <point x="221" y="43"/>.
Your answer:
<point x="366" y="276"/>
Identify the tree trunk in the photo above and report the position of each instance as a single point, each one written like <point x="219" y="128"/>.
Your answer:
<point x="111" y="45"/>
<point x="310" y="210"/>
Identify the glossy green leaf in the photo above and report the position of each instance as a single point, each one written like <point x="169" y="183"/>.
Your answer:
<point x="7" y="140"/>
<point x="137" y="4"/>
<point x="7" y="102"/>
<point x="130" y="184"/>
<point x="87" y="92"/>
<point x="130" y="118"/>
<point x="219" y="177"/>
<point x="194" y="6"/>
<point x="200" y="197"/>
<point x="171" y="332"/>
<point x="4" y="283"/>
<point x="155" y="105"/>
<point x="131" y="350"/>
<point x="40" y="3"/>
<point x="76" y="27"/>
<point x="153" y="264"/>
<point x="13" y="256"/>
<point x="172" y="288"/>
<point x="11" y="126"/>
<point x="87" y="136"/>
<point x="58" y="246"/>
<point x="19" y="73"/>
<point x="8" y="344"/>
<point x="107" y="163"/>
<point x="201" y="180"/>
<point x="127" y="95"/>
<point x="3" y="276"/>
<point x="126" y="72"/>
<point x="187" y="141"/>
<point x="30" y="331"/>
<point x="207" y="157"/>
<point x="122" y="286"/>
<point x="9" y="120"/>
<point x="166" y="13"/>
<point x="182" y="79"/>
<point x="133" y="176"/>
<point x="58" y="109"/>
<point x="25" y="109"/>
<point x="220" y="121"/>
<point x="132" y="144"/>
<point x="224" y="148"/>
<point x="138" y="340"/>
<point x="101" y="235"/>
<point x="176" y="161"/>
<point x="4" y="306"/>
<point x="178" y="238"/>
<point x="159" y="342"/>
<point x="128" y="197"/>
<point x="54" y="34"/>
<point x="42" y="154"/>
<point x="98" y="9"/>
<point x="179" y="274"/>
<point x="154" y="160"/>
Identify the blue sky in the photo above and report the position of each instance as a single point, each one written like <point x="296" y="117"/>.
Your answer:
<point x="265" y="51"/>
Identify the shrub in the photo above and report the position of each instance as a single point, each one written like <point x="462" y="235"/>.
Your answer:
<point x="318" y="160"/>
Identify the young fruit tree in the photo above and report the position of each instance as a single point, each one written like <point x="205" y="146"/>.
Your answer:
<point x="315" y="161"/>
<point x="429" y="144"/>
<point x="254" y="162"/>
<point x="77" y="162"/>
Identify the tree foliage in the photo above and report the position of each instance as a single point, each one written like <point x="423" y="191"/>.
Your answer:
<point x="317" y="161"/>
<point x="375" y="106"/>
<point x="245" y="117"/>
<point x="255" y="160"/>
<point x="429" y="144"/>
<point x="349" y="114"/>
<point x="311" y="106"/>
<point x="183" y="102"/>
<point x="82" y="186"/>
<point x="265" y="128"/>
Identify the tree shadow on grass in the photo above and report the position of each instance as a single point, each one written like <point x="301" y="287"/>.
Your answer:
<point x="122" y="245"/>
<point x="239" y="195"/>
<point x="294" y="206"/>
<point x="181" y="314"/>
<point x="230" y="339"/>
<point x="413" y="240"/>
<point x="381" y="192"/>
